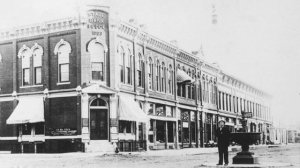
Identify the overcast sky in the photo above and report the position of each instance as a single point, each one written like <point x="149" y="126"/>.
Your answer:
<point x="257" y="41"/>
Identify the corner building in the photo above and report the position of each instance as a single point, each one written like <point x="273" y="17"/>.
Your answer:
<point x="92" y="83"/>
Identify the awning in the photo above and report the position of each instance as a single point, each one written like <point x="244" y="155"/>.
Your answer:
<point x="28" y="110"/>
<point x="130" y="110"/>
<point x="183" y="77"/>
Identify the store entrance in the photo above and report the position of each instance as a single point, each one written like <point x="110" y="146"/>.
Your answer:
<point x="98" y="123"/>
<point x="98" y="120"/>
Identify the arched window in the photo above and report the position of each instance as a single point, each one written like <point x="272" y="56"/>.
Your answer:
<point x="163" y="77"/>
<point x="140" y="70"/>
<point x="157" y="76"/>
<point x="150" y="74"/>
<point x="63" y="50"/>
<point x="97" y="53"/>
<point x="122" y="62"/>
<point x="203" y="89"/>
<point x="170" y="79"/>
<point x="25" y="54"/>
<point x="37" y="53"/>
<point x="128" y="61"/>
<point x="98" y="102"/>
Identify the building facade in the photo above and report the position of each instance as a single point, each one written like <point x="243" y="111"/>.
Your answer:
<point x="92" y="83"/>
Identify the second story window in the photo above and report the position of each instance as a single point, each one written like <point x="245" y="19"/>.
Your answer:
<point x="150" y="74"/>
<point x="163" y="77"/>
<point x="170" y="80"/>
<point x="26" y="67"/>
<point x="122" y="62"/>
<point x="31" y="68"/>
<point x="97" y="53"/>
<point x="140" y="71"/>
<point x="37" y="53"/>
<point x="63" y="50"/>
<point x="128" y="67"/>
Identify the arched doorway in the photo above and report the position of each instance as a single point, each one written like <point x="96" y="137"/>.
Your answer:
<point x="98" y="119"/>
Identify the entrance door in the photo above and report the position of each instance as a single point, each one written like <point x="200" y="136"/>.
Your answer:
<point x="99" y="124"/>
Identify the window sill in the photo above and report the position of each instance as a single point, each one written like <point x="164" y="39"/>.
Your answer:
<point x="63" y="83"/>
<point x="31" y="86"/>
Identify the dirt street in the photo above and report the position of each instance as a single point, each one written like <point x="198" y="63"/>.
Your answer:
<point x="286" y="154"/>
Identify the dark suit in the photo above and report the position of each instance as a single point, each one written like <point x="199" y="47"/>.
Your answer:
<point x="223" y="143"/>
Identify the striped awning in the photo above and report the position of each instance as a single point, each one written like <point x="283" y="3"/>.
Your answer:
<point x="183" y="77"/>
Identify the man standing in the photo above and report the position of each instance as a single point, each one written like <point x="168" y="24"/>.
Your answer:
<point x="223" y="136"/>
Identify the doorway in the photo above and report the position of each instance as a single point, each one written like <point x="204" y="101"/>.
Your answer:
<point x="98" y="120"/>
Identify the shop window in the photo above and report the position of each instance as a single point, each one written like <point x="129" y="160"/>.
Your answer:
<point x="26" y="129"/>
<point x="39" y="128"/>
<point x="160" y="131"/>
<point x="126" y="126"/>
<point x="150" y="137"/>
<point x="169" y="111"/>
<point x="179" y="130"/>
<point x="170" y="131"/>
<point x="160" y="110"/>
<point x="63" y="50"/>
<point x="97" y="53"/>
<point x="150" y="110"/>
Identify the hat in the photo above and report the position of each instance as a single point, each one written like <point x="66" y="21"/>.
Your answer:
<point x="222" y="121"/>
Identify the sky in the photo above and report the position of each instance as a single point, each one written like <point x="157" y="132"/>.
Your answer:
<point x="258" y="41"/>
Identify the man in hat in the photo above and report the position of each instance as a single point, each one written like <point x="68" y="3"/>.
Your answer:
<point x="223" y="135"/>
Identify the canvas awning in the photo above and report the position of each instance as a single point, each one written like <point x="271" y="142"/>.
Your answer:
<point x="28" y="110"/>
<point x="130" y="110"/>
<point x="183" y="77"/>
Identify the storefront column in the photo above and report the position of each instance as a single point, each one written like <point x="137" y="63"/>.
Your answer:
<point x="113" y="101"/>
<point x="176" y="127"/>
<point x="197" y="116"/>
<point x="147" y="125"/>
<point x="85" y="119"/>
<point x="166" y="134"/>
<point x="154" y="132"/>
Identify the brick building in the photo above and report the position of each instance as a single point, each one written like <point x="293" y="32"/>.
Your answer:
<point x="92" y="82"/>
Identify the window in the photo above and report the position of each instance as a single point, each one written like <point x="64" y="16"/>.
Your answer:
<point x="122" y="62"/>
<point x="126" y="126"/>
<point x="150" y="74"/>
<point x="140" y="71"/>
<point x="157" y="76"/>
<point x="97" y="53"/>
<point x="63" y="50"/>
<point x="128" y="67"/>
<point x="163" y="77"/>
<point x="37" y="64"/>
<point x="25" y="54"/>
<point x="170" y="80"/>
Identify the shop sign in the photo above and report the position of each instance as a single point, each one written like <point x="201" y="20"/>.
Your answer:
<point x="63" y="132"/>
<point x="185" y="124"/>
<point x="96" y="19"/>
<point x="247" y="114"/>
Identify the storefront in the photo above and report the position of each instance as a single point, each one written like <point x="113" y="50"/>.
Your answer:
<point x="162" y="130"/>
